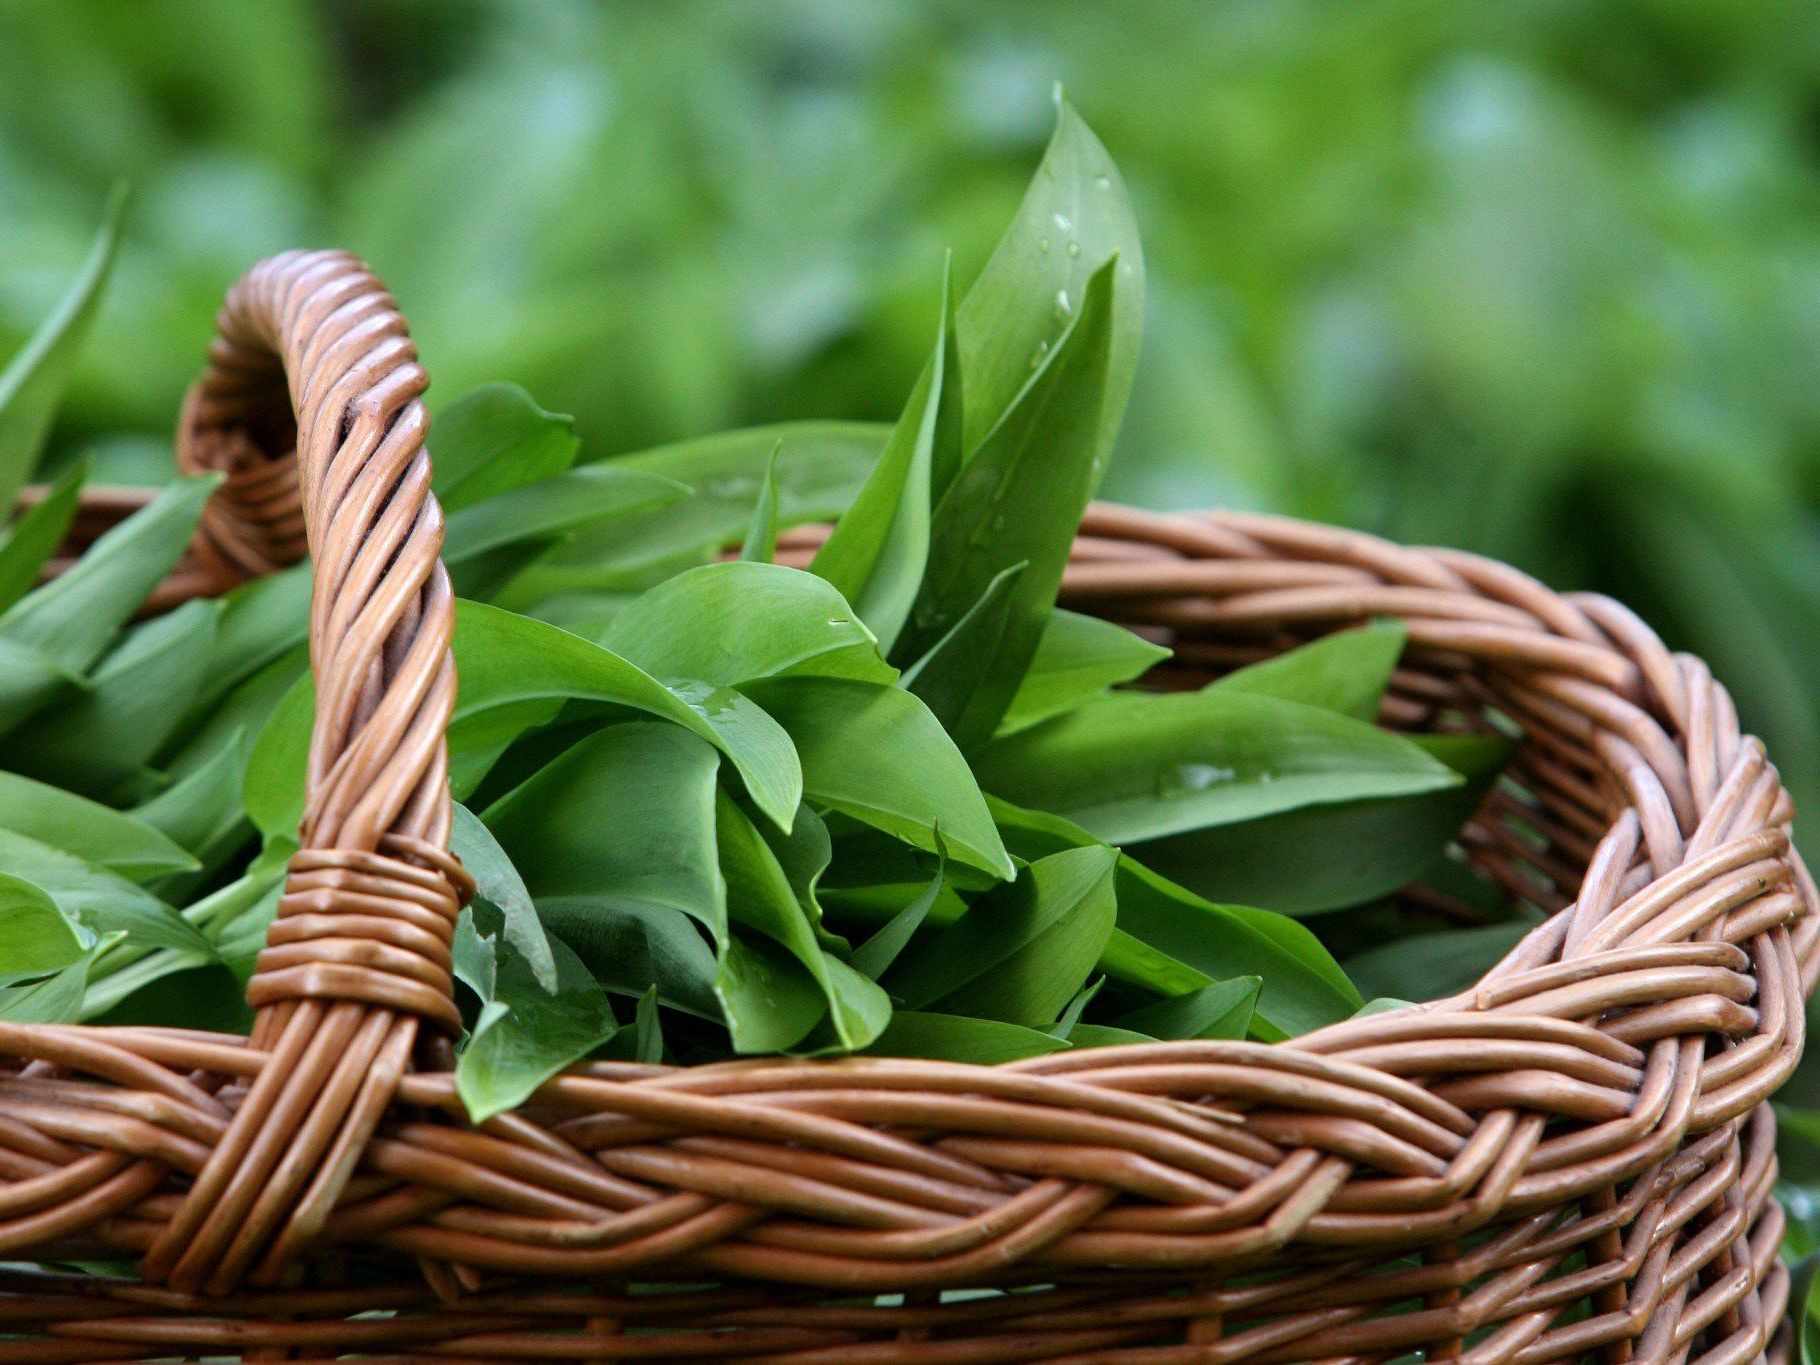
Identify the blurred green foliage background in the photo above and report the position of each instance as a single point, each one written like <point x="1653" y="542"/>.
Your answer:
<point x="1536" y="277"/>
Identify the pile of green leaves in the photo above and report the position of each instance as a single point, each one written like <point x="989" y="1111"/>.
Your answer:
<point x="896" y="801"/>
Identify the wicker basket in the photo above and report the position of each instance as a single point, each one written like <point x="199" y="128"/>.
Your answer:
<point x="1573" y="1160"/>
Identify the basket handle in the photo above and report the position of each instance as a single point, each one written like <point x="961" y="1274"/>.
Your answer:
<point x="312" y="353"/>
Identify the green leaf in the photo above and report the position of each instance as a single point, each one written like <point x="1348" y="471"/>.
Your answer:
<point x="738" y="622"/>
<point x="648" y="1031"/>
<point x="34" y="538"/>
<point x="36" y="937"/>
<point x="498" y="881"/>
<point x="948" y="676"/>
<point x="1105" y="1035"/>
<point x="1018" y="500"/>
<point x="568" y="502"/>
<point x="1135" y="765"/>
<point x="1074" y="220"/>
<point x="1220" y="1010"/>
<point x="503" y="660"/>
<point x="1021" y="951"/>
<point x="760" y="545"/>
<point x="31" y="386"/>
<point x="56" y="999"/>
<point x="129" y="846"/>
<point x="1345" y="672"/>
<point x="100" y="738"/>
<point x="625" y="883"/>
<point x="875" y="753"/>
<point x="1171" y="941"/>
<point x="496" y="439"/>
<point x="1077" y="658"/>
<point x="876" y="954"/>
<point x="956" y="1038"/>
<point x="876" y="554"/>
<point x="761" y="898"/>
<point x="820" y="467"/>
<point x="103" y="900"/>
<point x="526" y="1032"/>
<point x="1434" y="966"/>
<point x="201" y="809"/>
<point x="71" y="620"/>
<point x="1368" y="848"/>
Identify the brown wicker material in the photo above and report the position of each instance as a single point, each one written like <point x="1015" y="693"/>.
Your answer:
<point x="1572" y="1160"/>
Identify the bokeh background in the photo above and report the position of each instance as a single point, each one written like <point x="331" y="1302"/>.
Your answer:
<point x="1536" y="277"/>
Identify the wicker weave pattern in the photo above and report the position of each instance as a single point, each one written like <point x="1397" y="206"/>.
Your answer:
<point x="1572" y="1157"/>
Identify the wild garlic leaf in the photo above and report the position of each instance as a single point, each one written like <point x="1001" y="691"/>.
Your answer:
<point x="625" y="883"/>
<point x="36" y="535"/>
<point x="1220" y="1010"/>
<point x="577" y="499"/>
<point x="648" y="1031"/>
<point x="496" y="439"/>
<point x="877" y="754"/>
<point x="948" y="675"/>
<point x="37" y="938"/>
<point x="820" y="467"/>
<point x="504" y="660"/>
<point x="1074" y="219"/>
<point x="99" y="739"/>
<point x="879" y="548"/>
<point x="101" y="899"/>
<point x="1020" y="952"/>
<point x="875" y="956"/>
<point x="1433" y="966"/>
<point x="1171" y="941"/>
<point x="72" y="619"/>
<point x="1346" y="671"/>
<point x="119" y="842"/>
<point x="202" y="809"/>
<point x="958" y="1038"/>
<point x="31" y="385"/>
<point x="1077" y="659"/>
<point x="1018" y="500"/>
<point x="1368" y="848"/>
<point x="738" y="622"/>
<point x="1132" y="766"/>
<point x="761" y="898"/>
<point x="526" y="1032"/>
<point x="760" y="545"/>
<point x="498" y="881"/>
<point x="55" y="999"/>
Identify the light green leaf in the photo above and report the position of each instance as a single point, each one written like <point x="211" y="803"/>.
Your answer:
<point x="31" y="386"/>
<point x="760" y="545"/>
<point x="498" y="881"/>
<point x="1345" y="672"/>
<point x="1132" y="765"/>
<point x="496" y="439"/>
<point x="35" y="537"/>
<point x="101" y="899"/>
<point x="526" y="1032"/>
<point x="1018" y="500"/>
<point x="99" y="739"/>
<point x="876" y="754"/>
<point x="36" y="937"/>
<point x="121" y="843"/>
<point x="738" y="622"/>
<point x="1022" y="951"/>
<point x="1077" y="658"/>
<point x="568" y="502"/>
<point x="876" y="554"/>
<point x="1074" y="220"/>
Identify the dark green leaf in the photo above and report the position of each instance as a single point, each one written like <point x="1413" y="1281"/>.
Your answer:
<point x="956" y="1038"/>
<point x="1220" y="1010"/>
<point x="498" y="881"/>
<point x="569" y="502"/>
<point x="1434" y="966"/>
<point x="877" y="953"/>
<point x="948" y="677"/>
<point x="36" y="536"/>
<point x="1021" y="952"/>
